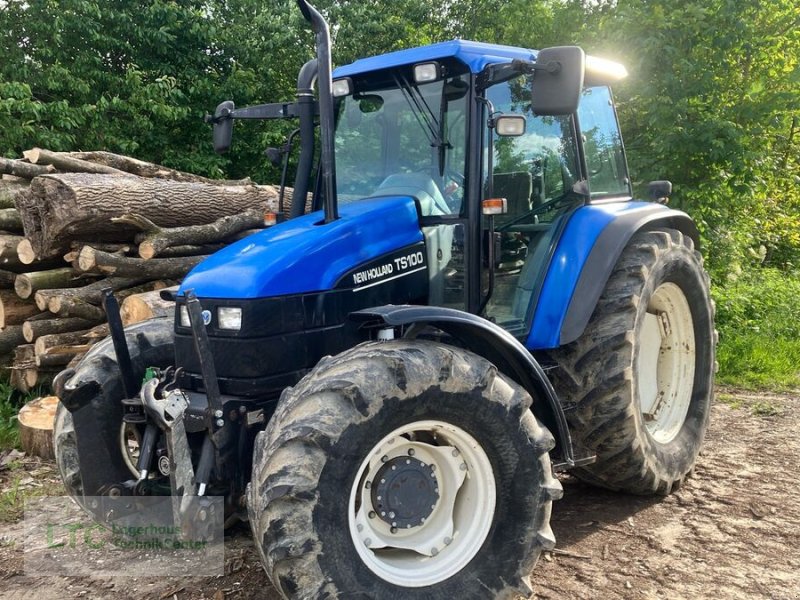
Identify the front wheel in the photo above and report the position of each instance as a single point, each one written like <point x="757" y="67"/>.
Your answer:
<point x="403" y="469"/>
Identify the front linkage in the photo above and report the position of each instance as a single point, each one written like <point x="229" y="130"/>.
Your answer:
<point x="187" y="436"/>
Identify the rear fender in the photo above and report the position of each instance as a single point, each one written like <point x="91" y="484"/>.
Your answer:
<point x="494" y="344"/>
<point x="583" y="260"/>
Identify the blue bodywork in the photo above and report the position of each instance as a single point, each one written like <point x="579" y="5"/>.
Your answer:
<point x="475" y="55"/>
<point x="577" y="241"/>
<point x="303" y="256"/>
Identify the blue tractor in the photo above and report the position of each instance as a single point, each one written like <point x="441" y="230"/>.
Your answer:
<point x="385" y="383"/>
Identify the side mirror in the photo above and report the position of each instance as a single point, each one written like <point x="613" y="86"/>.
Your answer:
<point x="223" y="126"/>
<point x="558" y="81"/>
<point x="659" y="191"/>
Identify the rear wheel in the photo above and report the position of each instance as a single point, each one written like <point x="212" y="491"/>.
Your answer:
<point x="638" y="383"/>
<point x="402" y="470"/>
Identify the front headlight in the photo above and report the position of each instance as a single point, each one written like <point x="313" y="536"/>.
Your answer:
<point x="185" y="322"/>
<point x="229" y="317"/>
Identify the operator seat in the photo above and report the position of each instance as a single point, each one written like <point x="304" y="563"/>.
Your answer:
<point x="416" y="185"/>
<point x="438" y="238"/>
<point x="516" y="188"/>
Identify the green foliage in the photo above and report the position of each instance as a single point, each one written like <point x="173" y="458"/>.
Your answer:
<point x="710" y="103"/>
<point x="10" y="403"/>
<point x="758" y="316"/>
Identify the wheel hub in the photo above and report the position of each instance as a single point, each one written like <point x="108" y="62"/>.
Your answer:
<point x="405" y="492"/>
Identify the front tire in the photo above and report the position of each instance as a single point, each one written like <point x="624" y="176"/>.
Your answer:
<point x="638" y="384"/>
<point x="367" y="459"/>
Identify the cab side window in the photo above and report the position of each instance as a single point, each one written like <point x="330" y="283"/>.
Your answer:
<point x="602" y="142"/>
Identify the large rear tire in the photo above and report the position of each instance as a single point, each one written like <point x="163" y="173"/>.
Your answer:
<point x="367" y="459"/>
<point x="638" y="384"/>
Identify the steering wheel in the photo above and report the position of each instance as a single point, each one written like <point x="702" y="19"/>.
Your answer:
<point x="453" y="191"/>
<point x="568" y="196"/>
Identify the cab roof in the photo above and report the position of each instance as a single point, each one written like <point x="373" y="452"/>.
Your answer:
<point x="476" y="55"/>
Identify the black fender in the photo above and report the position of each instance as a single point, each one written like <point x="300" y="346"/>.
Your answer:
<point x="604" y="255"/>
<point x="494" y="344"/>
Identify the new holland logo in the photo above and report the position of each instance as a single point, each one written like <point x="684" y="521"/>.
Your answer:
<point x="206" y="314"/>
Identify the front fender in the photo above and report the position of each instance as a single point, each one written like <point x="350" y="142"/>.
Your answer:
<point x="498" y="347"/>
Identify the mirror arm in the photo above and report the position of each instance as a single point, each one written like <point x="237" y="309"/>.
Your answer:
<point x="285" y="110"/>
<point x="526" y="66"/>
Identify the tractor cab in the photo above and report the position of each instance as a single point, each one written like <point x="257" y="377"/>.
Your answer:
<point x="454" y="126"/>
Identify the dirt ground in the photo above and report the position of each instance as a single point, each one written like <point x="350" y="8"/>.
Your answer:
<point x="731" y="532"/>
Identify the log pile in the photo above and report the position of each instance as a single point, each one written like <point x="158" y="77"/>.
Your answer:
<point x="75" y="224"/>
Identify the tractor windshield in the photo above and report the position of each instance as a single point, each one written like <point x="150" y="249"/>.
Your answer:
<point x="396" y="137"/>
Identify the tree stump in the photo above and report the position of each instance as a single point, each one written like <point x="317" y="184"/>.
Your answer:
<point x="36" y="426"/>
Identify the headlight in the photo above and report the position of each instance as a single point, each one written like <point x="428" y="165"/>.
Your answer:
<point x="229" y="317"/>
<point x="185" y="322"/>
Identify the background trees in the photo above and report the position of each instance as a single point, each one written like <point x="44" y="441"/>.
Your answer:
<point x="712" y="101"/>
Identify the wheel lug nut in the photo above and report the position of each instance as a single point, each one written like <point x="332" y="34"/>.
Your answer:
<point x="360" y="527"/>
<point x="433" y="468"/>
<point x="393" y="530"/>
<point x="384" y="458"/>
<point x="368" y="542"/>
<point x="368" y="485"/>
<point x="372" y="514"/>
<point x="455" y="452"/>
<point x="463" y="466"/>
<point x="434" y="551"/>
<point x="448" y="541"/>
<point x="411" y="452"/>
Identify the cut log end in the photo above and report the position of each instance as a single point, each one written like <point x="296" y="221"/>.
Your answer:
<point x="146" y="250"/>
<point x="86" y="259"/>
<point x="36" y="421"/>
<point x="25" y="252"/>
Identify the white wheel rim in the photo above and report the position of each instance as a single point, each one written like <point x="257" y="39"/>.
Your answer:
<point x="130" y="441"/>
<point x="666" y="363"/>
<point x="457" y="526"/>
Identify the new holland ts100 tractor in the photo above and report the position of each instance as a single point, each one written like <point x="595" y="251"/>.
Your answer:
<point x="385" y="385"/>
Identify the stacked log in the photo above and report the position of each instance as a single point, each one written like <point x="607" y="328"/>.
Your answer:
<point x="75" y="224"/>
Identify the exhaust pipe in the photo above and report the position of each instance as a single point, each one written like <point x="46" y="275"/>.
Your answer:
<point x="307" y="109"/>
<point x="326" y="121"/>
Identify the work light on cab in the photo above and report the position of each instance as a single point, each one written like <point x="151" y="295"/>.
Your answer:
<point x="426" y="72"/>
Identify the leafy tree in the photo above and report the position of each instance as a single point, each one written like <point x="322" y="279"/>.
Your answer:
<point x="710" y="104"/>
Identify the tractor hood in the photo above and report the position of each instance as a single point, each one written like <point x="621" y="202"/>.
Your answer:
<point x="306" y="255"/>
